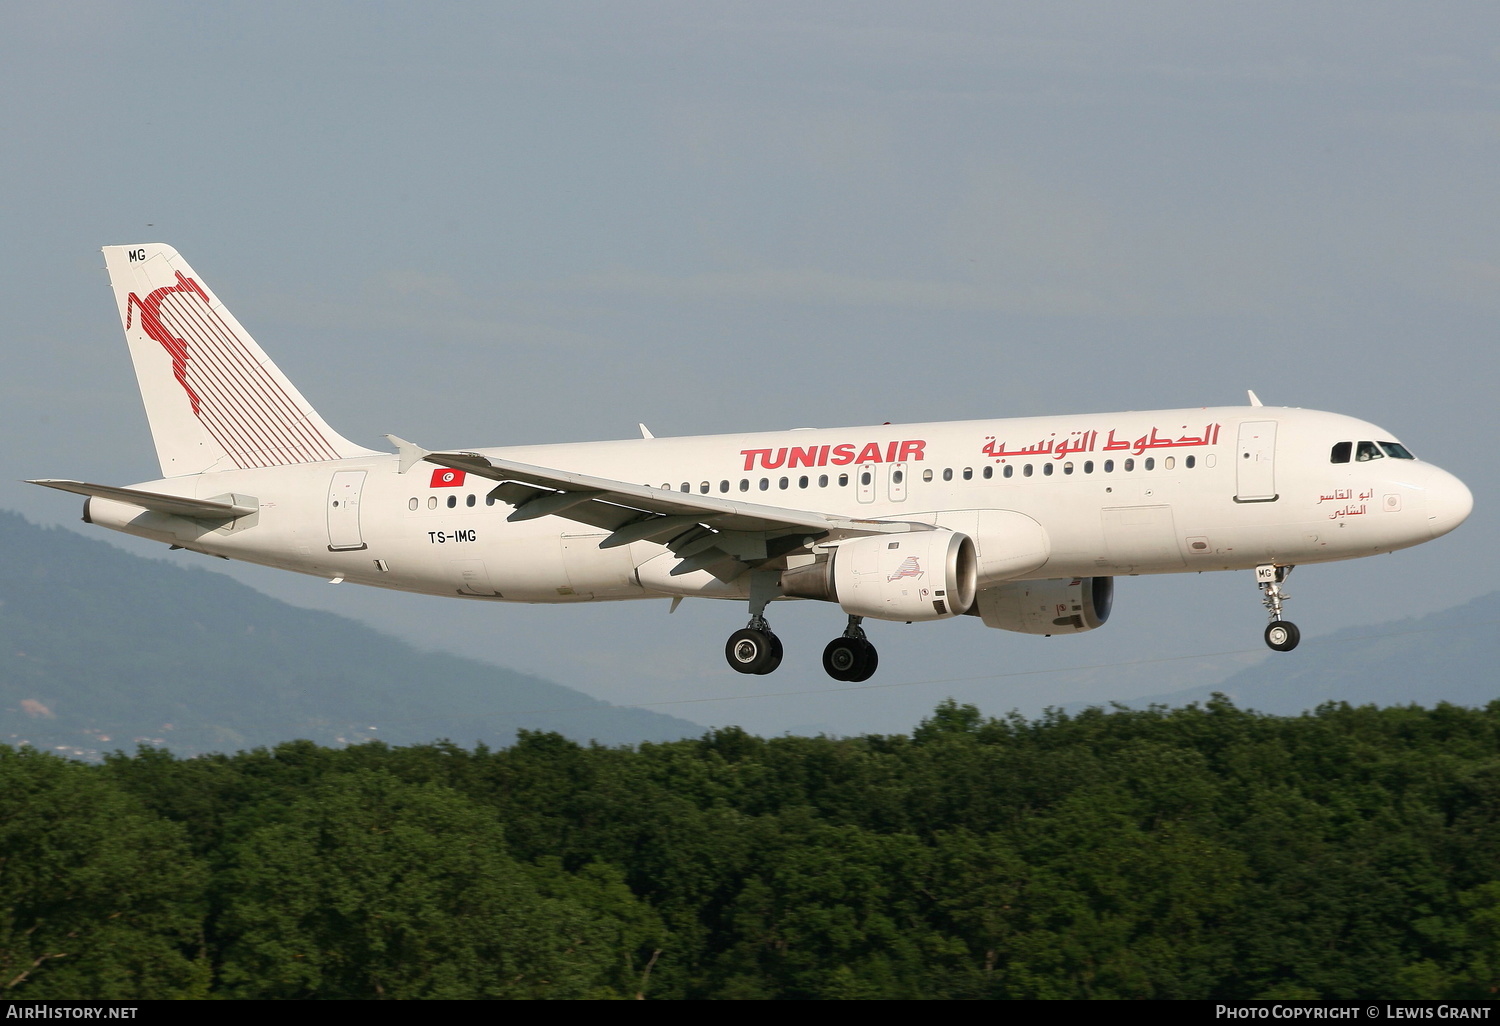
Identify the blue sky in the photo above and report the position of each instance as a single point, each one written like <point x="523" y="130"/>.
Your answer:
<point x="486" y="224"/>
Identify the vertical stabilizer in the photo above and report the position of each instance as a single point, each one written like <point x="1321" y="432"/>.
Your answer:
<point x="215" y="401"/>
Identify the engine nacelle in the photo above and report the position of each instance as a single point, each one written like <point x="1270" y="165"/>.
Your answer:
<point x="1060" y="606"/>
<point x="924" y="575"/>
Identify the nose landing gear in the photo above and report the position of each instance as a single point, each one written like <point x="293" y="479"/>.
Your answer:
<point x="1281" y="635"/>
<point x="851" y="657"/>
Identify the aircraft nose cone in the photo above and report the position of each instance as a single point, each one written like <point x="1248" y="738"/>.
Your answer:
<point x="1449" y="502"/>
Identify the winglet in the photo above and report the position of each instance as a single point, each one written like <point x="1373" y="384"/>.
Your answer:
<point x="1254" y="399"/>
<point x="410" y="452"/>
<point x="645" y="431"/>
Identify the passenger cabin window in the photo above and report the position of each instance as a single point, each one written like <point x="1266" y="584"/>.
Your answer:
<point x="1340" y="453"/>
<point x="1366" y="451"/>
<point x="926" y="475"/>
<point x="1009" y="470"/>
<point x="989" y="472"/>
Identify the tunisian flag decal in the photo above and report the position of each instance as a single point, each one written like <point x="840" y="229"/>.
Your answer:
<point x="445" y="478"/>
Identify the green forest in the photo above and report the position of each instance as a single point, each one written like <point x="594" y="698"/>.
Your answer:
<point x="1205" y="852"/>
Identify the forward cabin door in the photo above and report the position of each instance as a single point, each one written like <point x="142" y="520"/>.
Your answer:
<point x="1255" y="462"/>
<point x="343" y="511"/>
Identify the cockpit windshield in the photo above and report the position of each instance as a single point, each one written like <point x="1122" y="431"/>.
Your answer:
<point x="1363" y="452"/>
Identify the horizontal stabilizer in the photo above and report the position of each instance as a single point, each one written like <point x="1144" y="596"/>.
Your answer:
<point x="175" y="505"/>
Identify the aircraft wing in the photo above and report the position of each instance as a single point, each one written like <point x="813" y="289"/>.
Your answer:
<point x="227" y="508"/>
<point x="721" y="535"/>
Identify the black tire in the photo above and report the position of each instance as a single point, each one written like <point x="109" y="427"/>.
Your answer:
<point x="1282" y="635"/>
<point x="850" y="659"/>
<point x="869" y="660"/>
<point x="841" y="658"/>
<point x="751" y="651"/>
<point x="775" y="659"/>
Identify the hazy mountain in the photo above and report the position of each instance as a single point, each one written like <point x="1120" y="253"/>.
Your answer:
<point x="103" y="649"/>
<point x="1449" y="656"/>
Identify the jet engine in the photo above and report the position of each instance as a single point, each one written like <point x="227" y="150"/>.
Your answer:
<point x="924" y="575"/>
<point x="1059" y="606"/>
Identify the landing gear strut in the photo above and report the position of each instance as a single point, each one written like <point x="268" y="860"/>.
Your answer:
<point x="851" y="657"/>
<point x="755" y="649"/>
<point x="1281" y="635"/>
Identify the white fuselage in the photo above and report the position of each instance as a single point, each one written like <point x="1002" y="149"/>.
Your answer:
<point x="1124" y="493"/>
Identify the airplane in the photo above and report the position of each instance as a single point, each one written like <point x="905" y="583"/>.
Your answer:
<point x="1020" y="523"/>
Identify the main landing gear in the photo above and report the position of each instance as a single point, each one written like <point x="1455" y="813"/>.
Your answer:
<point x="1281" y="635"/>
<point x="851" y="657"/>
<point x="754" y="649"/>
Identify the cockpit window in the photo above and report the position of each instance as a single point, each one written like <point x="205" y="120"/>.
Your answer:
<point x="1367" y="451"/>
<point x="1397" y="451"/>
<point x="1340" y="453"/>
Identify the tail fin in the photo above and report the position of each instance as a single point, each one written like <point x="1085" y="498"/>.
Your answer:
<point x="215" y="401"/>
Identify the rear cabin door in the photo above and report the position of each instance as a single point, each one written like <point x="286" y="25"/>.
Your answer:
<point x="343" y="511"/>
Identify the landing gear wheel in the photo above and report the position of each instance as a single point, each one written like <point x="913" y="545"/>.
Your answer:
<point x="775" y="659"/>
<point x="841" y="657"/>
<point x="851" y="659"/>
<point x="867" y="666"/>
<point x="753" y="651"/>
<point x="1282" y="635"/>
